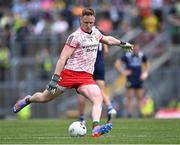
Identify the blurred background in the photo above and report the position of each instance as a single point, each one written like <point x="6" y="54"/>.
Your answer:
<point x="33" y="32"/>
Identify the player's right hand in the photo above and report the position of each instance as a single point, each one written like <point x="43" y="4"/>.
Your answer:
<point x="52" y="86"/>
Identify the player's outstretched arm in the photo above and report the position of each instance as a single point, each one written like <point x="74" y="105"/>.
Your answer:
<point x="110" y="40"/>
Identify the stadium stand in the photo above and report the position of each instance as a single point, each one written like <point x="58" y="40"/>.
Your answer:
<point x="26" y="29"/>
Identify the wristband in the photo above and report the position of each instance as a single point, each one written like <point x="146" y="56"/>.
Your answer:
<point x="122" y="43"/>
<point x="55" y="77"/>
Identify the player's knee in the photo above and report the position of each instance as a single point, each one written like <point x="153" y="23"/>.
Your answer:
<point x="98" y="99"/>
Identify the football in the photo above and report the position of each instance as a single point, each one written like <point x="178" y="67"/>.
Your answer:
<point x="77" y="129"/>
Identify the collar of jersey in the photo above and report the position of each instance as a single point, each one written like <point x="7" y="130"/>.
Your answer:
<point x="85" y="31"/>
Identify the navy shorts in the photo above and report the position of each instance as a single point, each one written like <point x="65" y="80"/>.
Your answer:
<point x="99" y="72"/>
<point x="134" y="85"/>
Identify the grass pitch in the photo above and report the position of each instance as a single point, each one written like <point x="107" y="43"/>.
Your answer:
<point x="125" y="131"/>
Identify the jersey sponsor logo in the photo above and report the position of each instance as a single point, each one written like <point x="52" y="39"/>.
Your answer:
<point x="91" y="50"/>
<point x="89" y="46"/>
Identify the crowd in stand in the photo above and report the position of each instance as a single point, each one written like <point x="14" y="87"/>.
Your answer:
<point x="22" y="18"/>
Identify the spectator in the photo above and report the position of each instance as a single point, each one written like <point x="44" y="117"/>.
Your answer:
<point x="157" y="7"/>
<point x="147" y="106"/>
<point x="174" y="20"/>
<point x="45" y="64"/>
<point x="59" y="26"/>
<point x="151" y="25"/>
<point x="4" y="61"/>
<point x="114" y="16"/>
<point x="44" y="24"/>
<point x="21" y="35"/>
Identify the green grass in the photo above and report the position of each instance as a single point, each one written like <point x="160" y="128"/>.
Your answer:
<point x="125" y="131"/>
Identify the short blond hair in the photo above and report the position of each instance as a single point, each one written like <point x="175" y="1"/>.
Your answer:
<point x="88" y="12"/>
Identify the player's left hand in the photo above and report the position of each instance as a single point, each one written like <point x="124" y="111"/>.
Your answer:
<point x="126" y="46"/>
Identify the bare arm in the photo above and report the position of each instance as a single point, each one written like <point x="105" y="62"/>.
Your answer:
<point x="146" y="67"/>
<point x="65" y="54"/>
<point x="119" y="67"/>
<point x="109" y="40"/>
<point x="145" y="72"/>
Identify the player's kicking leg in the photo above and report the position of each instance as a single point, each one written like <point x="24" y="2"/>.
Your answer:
<point x="21" y="104"/>
<point x="38" y="97"/>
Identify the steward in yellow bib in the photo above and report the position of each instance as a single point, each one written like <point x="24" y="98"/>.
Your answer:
<point x="4" y="62"/>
